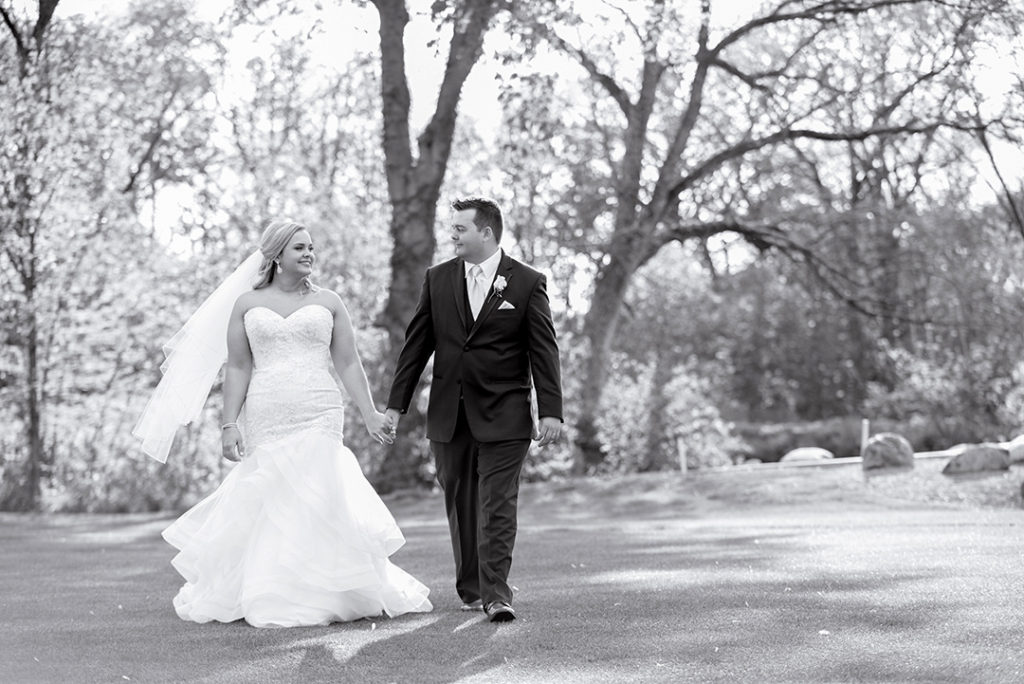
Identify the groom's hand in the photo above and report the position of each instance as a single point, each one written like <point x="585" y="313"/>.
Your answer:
<point x="391" y="417"/>
<point x="550" y="431"/>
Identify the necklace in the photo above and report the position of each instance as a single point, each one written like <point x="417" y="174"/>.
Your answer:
<point x="301" y="289"/>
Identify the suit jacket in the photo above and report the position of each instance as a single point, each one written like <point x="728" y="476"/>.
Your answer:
<point x="490" y="362"/>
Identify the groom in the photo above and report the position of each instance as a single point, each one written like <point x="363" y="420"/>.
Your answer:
<point x="485" y="317"/>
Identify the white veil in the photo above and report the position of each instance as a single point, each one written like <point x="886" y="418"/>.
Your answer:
<point x="195" y="355"/>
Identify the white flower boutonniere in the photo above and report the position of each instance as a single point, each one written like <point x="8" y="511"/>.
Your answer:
<point x="499" y="285"/>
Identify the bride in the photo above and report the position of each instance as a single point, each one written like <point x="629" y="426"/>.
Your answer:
<point x="295" y="535"/>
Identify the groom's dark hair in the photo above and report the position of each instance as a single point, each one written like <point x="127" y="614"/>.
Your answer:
<point x="487" y="214"/>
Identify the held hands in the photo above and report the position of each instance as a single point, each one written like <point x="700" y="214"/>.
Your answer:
<point x="231" y="443"/>
<point x="548" y="432"/>
<point x="391" y="418"/>
<point x="379" y="427"/>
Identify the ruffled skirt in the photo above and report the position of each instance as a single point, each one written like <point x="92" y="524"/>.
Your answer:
<point x="295" y="535"/>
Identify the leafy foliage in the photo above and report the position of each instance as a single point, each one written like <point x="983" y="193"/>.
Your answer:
<point x="787" y="285"/>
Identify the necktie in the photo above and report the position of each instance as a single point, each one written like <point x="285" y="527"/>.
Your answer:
<point x="477" y="289"/>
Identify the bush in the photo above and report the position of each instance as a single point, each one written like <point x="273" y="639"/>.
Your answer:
<point x="689" y="424"/>
<point x="771" y="441"/>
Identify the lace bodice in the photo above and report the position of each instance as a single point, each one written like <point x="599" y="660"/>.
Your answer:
<point x="302" y="340"/>
<point x="291" y="388"/>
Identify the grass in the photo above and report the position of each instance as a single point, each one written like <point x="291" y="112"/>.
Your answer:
<point x="802" y="575"/>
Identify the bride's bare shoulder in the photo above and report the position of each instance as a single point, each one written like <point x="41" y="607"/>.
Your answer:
<point x="330" y="299"/>
<point x="247" y="300"/>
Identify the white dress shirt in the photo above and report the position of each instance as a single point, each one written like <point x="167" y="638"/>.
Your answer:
<point x="489" y="266"/>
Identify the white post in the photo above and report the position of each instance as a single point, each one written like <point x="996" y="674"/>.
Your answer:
<point x="681" y="455"/>
<point x="864" y="433"/>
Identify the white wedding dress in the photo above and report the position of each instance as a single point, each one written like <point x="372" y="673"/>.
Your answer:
<point x="295" y="535"/>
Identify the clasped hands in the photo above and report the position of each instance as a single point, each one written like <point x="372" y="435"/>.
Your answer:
<point x="381" y="427"/>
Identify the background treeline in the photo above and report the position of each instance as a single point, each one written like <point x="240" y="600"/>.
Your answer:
<point x="759" y="227"/>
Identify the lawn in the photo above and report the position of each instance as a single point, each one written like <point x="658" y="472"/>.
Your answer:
<point x="786" y="575"/>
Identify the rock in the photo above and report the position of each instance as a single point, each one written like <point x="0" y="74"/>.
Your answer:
<point x="1015" y="447"/>
<point x="752" y="461"/>
<point x="887" y="450"/>
<point x="977" y="459"/>
<point x="808" y="454"/>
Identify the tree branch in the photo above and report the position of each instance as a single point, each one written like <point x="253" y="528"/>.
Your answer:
<point x="19" y="42"/>
<point x="825" y="11"/>
<point x="614" y="89"/>
<point x="395" y="97"/>
<point x="1014" y="210"/>
<point x="745" y="146"/>
<point x="753" y="79"/>
<point x="768" y="236"/>
<point x="688" y="118"/>
<point x="626" y="18"/>
<point x="154" y="140"/>
<point x="46" y="10"/>
<point x="750" y="79"/>
<point x="471" y="22"/>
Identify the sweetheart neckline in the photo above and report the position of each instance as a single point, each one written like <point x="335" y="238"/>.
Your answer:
<point x="285" y="318"/>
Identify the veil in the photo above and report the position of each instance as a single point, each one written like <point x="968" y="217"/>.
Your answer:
<point x="195" y="355"/>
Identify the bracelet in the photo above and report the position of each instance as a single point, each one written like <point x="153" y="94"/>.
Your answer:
<point x="225" y="426"/>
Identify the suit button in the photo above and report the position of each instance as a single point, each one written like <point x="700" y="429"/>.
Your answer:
<point x="466" y="348"/>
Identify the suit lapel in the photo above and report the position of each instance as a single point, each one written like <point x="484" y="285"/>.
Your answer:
<point x="491" y="302"/>
<point x="459" y="290"/>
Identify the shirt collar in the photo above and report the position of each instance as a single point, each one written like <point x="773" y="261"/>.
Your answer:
<point x="489" y="265"/>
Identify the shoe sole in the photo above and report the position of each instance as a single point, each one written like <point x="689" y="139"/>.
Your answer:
<point x="503" y="616"/>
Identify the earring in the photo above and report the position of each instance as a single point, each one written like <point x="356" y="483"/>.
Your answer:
<point x="278" y="266"/>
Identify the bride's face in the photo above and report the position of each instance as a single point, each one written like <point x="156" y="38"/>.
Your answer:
<point x="298" y="256"/>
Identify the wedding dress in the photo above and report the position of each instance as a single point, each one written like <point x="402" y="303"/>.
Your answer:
<point x="295" y="535"/>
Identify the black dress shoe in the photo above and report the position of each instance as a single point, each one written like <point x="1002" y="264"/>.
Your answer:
<point x="499" y="611"/>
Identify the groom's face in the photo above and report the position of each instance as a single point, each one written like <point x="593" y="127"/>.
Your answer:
<point x="471" y="242"/>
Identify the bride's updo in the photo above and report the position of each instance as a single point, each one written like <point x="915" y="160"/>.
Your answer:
<point x="275" y="238"/>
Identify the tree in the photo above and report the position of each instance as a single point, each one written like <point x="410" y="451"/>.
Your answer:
<point x="690" y="118"/>
<point x="414" y="179"/>
<point x="67" y="174"/>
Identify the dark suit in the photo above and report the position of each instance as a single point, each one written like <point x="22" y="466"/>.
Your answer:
<point x="478" y="420"/>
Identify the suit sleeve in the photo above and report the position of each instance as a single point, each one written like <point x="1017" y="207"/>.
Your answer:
<point x="419" y="345"/>
<point x="543" y="347"/>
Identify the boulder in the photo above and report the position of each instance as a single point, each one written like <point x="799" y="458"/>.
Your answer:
<point x="1015" y="447"/>
<point x="808" y="454"/>
<point x="887" y="450"/>
<point x="977" y="459"/>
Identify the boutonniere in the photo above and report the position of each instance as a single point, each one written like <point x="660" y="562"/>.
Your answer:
<point x="499" y="285"/>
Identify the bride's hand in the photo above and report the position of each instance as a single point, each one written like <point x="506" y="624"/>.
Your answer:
<point x="232" y="445"/>
<point x="379" y="427"/>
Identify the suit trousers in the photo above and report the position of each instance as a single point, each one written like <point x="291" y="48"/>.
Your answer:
<point x="480" y="481"/>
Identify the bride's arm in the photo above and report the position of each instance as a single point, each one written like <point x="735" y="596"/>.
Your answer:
<point x="350" y="369"/>
<point x="236" y="384"/>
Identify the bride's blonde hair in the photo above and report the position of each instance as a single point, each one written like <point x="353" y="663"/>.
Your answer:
<point x="272" y="244"/>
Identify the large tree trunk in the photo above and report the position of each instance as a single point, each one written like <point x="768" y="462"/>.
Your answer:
<point x="599" y="330"/>
<point x="34" y="424"/>
<point x="657" y="454"/>
<point x="412" y="232"/>
<point x="23" y="256"/>
<point x="414" y="187"/>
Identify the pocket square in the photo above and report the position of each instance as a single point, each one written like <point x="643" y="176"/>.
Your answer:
<point x="505" y="306"/>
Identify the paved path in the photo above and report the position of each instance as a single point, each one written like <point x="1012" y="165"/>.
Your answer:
<point x="638" y="580"/>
